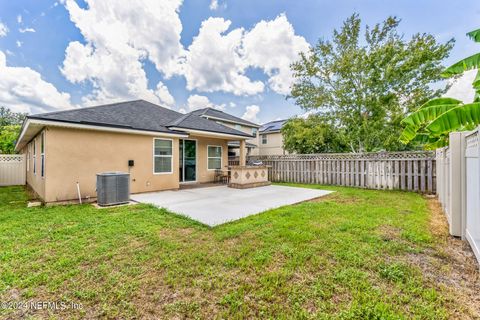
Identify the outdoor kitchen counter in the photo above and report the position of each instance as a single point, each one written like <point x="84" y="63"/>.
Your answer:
<point x="242" y="177"/>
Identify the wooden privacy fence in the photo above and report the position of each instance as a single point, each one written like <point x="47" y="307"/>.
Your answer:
<point x="414" y="171"/>
<point x="12" y="169"/>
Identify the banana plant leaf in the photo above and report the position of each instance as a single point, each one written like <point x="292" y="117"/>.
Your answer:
<point x="439" y="101"/>
<point x="472" y="62"/>
<point x="408" y="134"/>
<point x="440" y="143"/>
<point x="474" y="35"/>
<point x="424" y="115"/>
<point x="467" y="115"/>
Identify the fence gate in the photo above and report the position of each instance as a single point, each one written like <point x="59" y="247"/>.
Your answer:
<point x="12" y="169"/>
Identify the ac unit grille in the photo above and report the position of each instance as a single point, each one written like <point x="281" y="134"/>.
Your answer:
<point x="113" y="188"/>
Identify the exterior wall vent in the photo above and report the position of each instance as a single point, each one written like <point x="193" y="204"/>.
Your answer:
<point x="113" y="188"/>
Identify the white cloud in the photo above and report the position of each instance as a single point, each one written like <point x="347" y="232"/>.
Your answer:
<point x="461" y="88"/>
<point x="195" y="102"/>
<point x="23" y="90"/>
<point x="271" y="46"/>
<point x="251" y="113"/>
<point x="3" y="30"/>
<point x="26" y="30"/>
<point x="19" y="43"/>
<point x="19" y="18"/>
<point x="214" y="62"/>
<point x="119" y="37"/>
<point x="214" y="5"/>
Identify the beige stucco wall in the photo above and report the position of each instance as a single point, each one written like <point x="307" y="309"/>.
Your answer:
<point x="78" y="155"/>
<point x="35" y="180"/>
<point x="203" y="174"/>
<point x="274" y="145"/>
<point x="73" y="155"/>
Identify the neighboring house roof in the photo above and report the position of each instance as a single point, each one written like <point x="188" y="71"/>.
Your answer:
<point x="272" y="126"/>
<point x="215" y="114"/>
<point x="138" y="115"/>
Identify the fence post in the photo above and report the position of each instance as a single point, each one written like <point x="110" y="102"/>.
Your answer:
<point x="456" y="186"/>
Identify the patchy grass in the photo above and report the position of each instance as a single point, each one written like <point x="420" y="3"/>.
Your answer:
<point x="355" y="254"/>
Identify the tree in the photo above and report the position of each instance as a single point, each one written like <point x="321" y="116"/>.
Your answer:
<point x="311" y="135"/>
<point x="434" y="120"/>
<point x="8" y="137"/>
<point x="365" y="86"/>
<point x="9" y="129"/>
<point x="8" y="117"/>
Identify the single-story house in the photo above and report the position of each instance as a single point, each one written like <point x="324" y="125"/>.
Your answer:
<point x="159" y="147"/>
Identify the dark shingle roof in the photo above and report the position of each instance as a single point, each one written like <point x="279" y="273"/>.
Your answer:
<point x="272" y="126"/>
<point x="218" y="114"/>
<point x="192" y="121"/>
<point x="138" y="115"/>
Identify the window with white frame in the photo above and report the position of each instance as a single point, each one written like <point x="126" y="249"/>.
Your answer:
<point x="28" y="157"/>
<point x="42" y="154"/>
<point x="264" y="139"/>
<point x="214" y="154"/>
<point x="254" y="132"/>
<point x="238" y="127"/>
<point x="162" y="156"/>
<point x="34" y="159"/>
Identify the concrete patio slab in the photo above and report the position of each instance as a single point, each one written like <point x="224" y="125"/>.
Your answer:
<point x="216" y="205"/>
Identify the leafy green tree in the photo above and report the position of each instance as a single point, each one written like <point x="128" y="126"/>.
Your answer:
<point x="9" y="129"/>
<point x="8" y="117"/>
<point x="8" y="137"/>
<point x="366" y="85"/>
<point x="434" y="120"/>
<point x="311" y="135"/>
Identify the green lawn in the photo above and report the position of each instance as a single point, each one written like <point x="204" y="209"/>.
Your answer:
<point x="350" y="255"/>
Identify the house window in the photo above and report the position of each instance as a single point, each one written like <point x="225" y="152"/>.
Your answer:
<point x="34" y="159"/>
<point x="214" y="157"/>
<point x="238" y="127"/>
<point x="254" y="132"/>
<point x="264" y="139"/>
<point x="42" y="154"/>
<point x="28" y="157"/>
<point x="162" y="156"/>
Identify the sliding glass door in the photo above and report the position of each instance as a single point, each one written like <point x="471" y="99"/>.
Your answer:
<point x="188" y="160"/>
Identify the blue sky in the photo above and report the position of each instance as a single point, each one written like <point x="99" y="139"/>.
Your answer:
<point x="60" y="54"/>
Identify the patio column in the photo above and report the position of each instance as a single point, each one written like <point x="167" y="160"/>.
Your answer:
<point x="243" y="153"/>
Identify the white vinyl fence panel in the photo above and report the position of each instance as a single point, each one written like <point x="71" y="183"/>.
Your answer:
<point x="472" y="225"/>
<point x="12" y="169"/>
<point x="458" y="186"/>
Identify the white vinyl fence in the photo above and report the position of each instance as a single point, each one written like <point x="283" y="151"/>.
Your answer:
<point x="12" y="169"/>
<point x="458" y="186"/>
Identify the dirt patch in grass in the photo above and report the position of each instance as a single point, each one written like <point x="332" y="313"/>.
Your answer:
<point x="450" y="264"/>
<point x="389" y="233"/>
<point x="337" y="198"/>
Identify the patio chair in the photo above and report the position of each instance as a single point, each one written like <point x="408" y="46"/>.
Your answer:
<point x="220" y="176"/>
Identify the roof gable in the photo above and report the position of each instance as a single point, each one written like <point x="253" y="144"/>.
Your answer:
<point x="220" y="115"/>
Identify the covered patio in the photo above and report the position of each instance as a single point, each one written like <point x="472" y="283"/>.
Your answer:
<point x="219" y="204"/>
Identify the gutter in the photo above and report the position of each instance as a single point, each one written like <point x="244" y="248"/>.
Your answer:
<point x="108" y="128"/>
